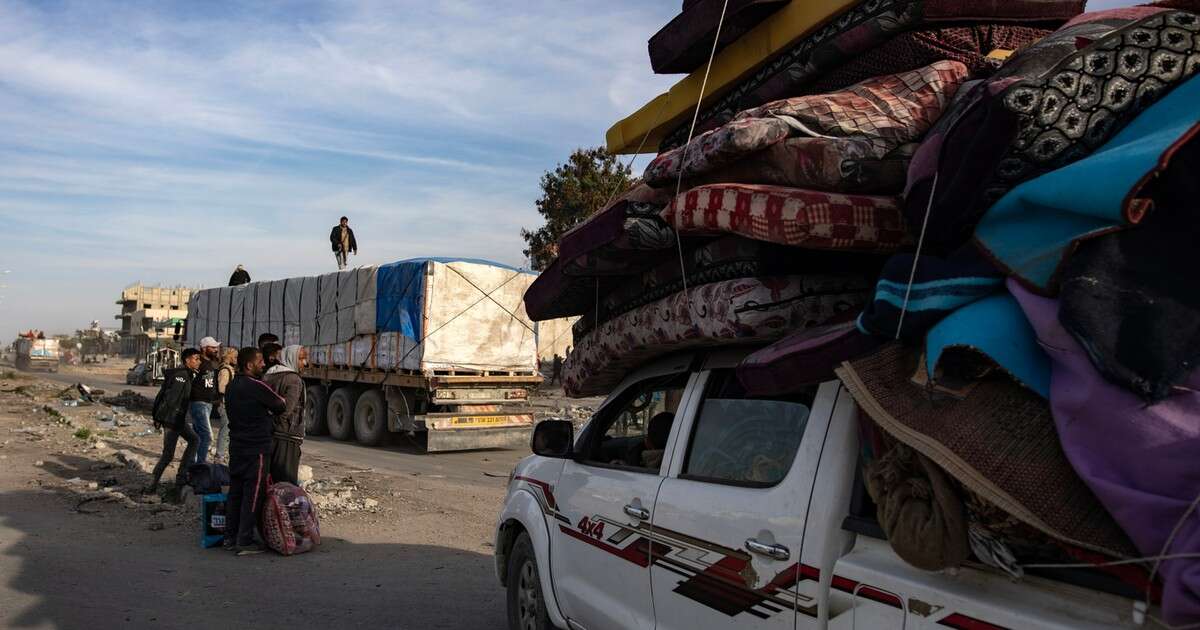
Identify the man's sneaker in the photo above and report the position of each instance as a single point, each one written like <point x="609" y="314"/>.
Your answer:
<point x="229" y="544"/>
<point x="249" y="550"/>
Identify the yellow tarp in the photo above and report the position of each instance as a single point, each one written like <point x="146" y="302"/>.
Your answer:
<point x="773" y="36"/>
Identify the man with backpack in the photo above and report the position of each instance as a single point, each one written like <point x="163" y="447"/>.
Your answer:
<point x="170" y="414"/>
<point x="251" y="406"/>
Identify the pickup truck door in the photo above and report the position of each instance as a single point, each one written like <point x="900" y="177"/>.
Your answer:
<point x="600" y="549"/>
<point x="730" y="517"/>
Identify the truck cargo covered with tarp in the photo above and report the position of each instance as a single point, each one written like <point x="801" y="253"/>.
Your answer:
<point x="421" y="315"/>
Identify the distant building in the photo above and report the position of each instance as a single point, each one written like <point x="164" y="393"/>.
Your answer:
<point x="149" y="314"/>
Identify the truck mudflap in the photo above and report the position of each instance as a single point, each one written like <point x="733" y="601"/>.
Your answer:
<point x="466" y="430"/>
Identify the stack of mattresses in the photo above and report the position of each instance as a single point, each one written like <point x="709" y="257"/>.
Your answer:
<point x="1032" y="365"/>
<point x="421" y="315"/>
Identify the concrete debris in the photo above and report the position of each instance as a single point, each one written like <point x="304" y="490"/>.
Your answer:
<point x="130" y="399"/>
<point x="39" y="463"/>
<point x="133" y="461"/>
<point x="100" y="445"/>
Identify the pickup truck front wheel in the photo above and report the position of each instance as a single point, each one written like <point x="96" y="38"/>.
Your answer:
<point x="526" y="606"/>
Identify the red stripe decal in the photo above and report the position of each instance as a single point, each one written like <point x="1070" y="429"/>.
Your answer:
<point x="847" y="585"/>
<point x="963" y="622"/>
<point x="545" y="489"/>
<point x="637" y="552"/>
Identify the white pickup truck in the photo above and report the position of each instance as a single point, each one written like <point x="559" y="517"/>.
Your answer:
<point x="756" y="518"/>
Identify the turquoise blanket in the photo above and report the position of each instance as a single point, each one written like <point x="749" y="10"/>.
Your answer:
<point x="1033" y="228"/>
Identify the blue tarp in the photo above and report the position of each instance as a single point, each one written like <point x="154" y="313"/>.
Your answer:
<point x="400" y="298"/>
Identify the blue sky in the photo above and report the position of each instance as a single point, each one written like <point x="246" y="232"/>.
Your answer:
<point x="167" y="142"/>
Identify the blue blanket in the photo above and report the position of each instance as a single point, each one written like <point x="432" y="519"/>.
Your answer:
<point x="1033" y="228"/>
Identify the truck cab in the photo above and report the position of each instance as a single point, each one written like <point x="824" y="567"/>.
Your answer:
<point x="752" y="516"/>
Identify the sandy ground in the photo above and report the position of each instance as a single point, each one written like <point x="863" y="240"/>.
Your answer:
<point x="407" y="543"/>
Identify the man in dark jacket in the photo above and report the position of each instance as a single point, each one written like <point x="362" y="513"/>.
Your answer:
<point x="240" y="276"/>
<point x="284" y="378"/>
<point x="341" y="237"/>
<point x="251" y="406"/>
<point x="171" y="415"/>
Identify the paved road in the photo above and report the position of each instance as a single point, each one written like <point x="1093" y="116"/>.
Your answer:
<point x="485" y="468"/>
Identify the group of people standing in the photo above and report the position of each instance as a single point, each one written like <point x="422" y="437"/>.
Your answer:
<point x="255" y="397"/>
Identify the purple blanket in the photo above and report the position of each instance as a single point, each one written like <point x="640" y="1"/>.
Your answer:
<point x="1143" y="462"/>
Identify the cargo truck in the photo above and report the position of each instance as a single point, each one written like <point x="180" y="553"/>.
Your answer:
<point x="34" y="353"/>
<point x="440" y="349"/>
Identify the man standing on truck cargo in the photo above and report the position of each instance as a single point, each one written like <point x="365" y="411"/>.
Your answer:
<point x="240" y="276"/>
<point x="342" y="240"/>
<point x="205" y="395"/>
<point x="251" y="406"/>
<point x="284" y="378"/>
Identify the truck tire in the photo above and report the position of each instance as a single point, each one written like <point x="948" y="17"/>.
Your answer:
<point x="371" y="418"/>
<point x="339" y="414"/>
<point x="314" y="411"/>
<point x="526" y="606"/>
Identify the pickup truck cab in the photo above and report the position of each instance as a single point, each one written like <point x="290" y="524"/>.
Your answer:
<point x="751" y="515"/>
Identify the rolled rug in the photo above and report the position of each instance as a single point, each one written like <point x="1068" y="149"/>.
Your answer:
<point x="743" y="311"/>
<point x="791" y="216"/>
<point x="999" y="441"/>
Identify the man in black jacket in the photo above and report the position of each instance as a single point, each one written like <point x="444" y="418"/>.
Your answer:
<point x="341" y="238"/>
<point x="251" y="406"/>
<point x="240" y="276"/>
<point x="171" y="415"/>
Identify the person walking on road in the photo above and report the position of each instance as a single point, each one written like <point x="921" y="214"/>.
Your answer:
<point x="204" y="395"/>
<point x="252" y="406"/>
<point x="341" y="237"/>
<point x="556" y="369"/>
<point x="220" y="417"/>
<point x="171" y="415"/>
<point x="285" y="379"/>
<point x="240" y="276"/>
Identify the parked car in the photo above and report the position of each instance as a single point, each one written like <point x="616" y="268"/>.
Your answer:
<point x="756" y="518"/>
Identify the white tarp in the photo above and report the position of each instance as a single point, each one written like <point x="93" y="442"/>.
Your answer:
<point x="237" y="315"/>
<point x="555" y="337"/>
<point x="327" y="331"/>
<point x="347" y="295"/>
<point x="249" y="338"/>
<point x="199" y="318"/>
<point x="262" y="308"/>
<point x="364" y="307"/>
<point x="212" y="323"/>
<point x="475" y="319"/>
<point x="309" y="297"/>
<point x="193" y="322"/>
<point x="278" y="288"/>
<point x="291" y="311"/>
<point x="223" y="296"/>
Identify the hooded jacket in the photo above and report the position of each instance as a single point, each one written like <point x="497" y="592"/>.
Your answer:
<point x="285" y="379"/>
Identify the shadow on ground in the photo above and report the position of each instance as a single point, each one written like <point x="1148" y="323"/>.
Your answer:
<point x="63" y="569"/>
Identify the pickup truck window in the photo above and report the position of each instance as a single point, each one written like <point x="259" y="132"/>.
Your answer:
<point x="738" y="439"/>
<point x="631" y="432"/>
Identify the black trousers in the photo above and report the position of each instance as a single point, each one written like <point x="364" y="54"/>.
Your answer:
<point x="285" y="461"/>
<point x="247" y="490"/>
<point x="170" y="441"/>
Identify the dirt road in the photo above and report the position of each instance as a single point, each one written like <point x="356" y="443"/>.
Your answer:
<point x="80" y="547"/>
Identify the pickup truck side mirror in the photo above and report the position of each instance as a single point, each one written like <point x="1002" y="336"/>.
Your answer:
<point x="553" y="438"/>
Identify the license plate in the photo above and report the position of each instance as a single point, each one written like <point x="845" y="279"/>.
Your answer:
<point x="466" y="422"/>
